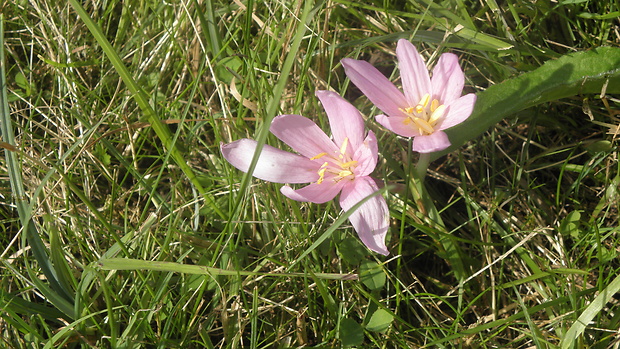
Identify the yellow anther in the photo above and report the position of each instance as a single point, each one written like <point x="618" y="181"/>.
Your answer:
<point x="437" y="114"/>
<point x="343" y="147"/>
<point x="424" y="126"/>
<point x="419" y="109"/>
<point x="409" y="110"/>
<point x="349" y="164"/>
<point x="424" y="101"/>
<point x="434" y="105"/>
<point x="322" y="173"/>
<point x="344" y="173"/>
<point x="318" y="156"/>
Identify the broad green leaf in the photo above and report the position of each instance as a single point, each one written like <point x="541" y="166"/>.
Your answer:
<point x="352" y="250"/>
<point x="570" y="225"/>
<point x="379" y="321"/>
<point x="599" y="146"/>
<point x="372" y="275"/>
<point x="351" y="333"/>
<point x="588" y="72"/>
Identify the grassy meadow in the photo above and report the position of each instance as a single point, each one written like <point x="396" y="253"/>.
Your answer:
<point x="122" y="226"/>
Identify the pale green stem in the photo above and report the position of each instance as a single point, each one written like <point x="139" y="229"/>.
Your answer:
<point x="439" y="233"/>
<point x="420" y="168"/>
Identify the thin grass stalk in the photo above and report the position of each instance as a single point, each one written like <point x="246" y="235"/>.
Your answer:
<point x="140" y="96"/>
<point x="61" y="297"/>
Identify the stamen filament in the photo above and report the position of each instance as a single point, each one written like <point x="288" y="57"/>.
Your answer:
<point x="318" y="156"/>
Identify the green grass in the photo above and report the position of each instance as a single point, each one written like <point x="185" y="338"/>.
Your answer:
<point x="111" y="163"/>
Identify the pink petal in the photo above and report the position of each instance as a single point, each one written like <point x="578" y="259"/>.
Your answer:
<point x="274" y="165"/>
<point x="302" y="134"/>
<point x="316" y="193"/>
<point x="344" y="119"/>
<point x="458" y="111"/>
<point x="448" y="79"/>
<point x="375" y="86"/>
<point x="371" y="220"/>
<point x="436" y="141"/>
<point x="366" y="155"/>
<point x="396" y="125"/>
<point x="413" y="73"/>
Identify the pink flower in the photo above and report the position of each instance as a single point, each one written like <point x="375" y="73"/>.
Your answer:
<point x="341" y="165"/>
<point x="428" y="106"/>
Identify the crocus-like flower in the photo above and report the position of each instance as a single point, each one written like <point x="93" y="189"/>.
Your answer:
<point x="339" y="165"/>
<point x="428" y="105"/>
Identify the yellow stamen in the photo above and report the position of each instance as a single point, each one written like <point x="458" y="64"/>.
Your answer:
<point x="434" y="105"/>
<point x="425" y="99"/>
<point x="349" y="164"/>
<point x="343" y="147"/>
<point x="437" y="114"/>
<point x="424" y="126"/>
<point x="322" y="173"/>
<point x="344" y="173"/>
<point x="318" y="156"/>
<point x="409" y="110"/>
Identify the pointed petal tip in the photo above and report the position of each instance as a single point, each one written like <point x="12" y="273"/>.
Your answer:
<point x="371" y="219"/>
<point x="274" y="165"/>
<point x="377" y="245"/>
<point x="384" y="251"/>
<point x="375" y="241"/>
<point x="321" y="92"/>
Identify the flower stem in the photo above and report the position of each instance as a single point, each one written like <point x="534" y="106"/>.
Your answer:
<point x="420" y="168"/>
<point x="436" y="229"/>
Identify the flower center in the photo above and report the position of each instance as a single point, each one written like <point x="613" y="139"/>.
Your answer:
<point x="338" y="166"/>
<point x="425" y="115"/>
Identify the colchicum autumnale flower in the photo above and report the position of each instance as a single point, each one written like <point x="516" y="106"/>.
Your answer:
<point x="339" y="165"/>
<point x="428" y="105"/>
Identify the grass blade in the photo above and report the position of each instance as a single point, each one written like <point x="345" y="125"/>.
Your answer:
<point x="589" y="313"/>
<point x="56" y="293"/>
<point x="136" y="264"/>
<point x="162" y="131"/>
